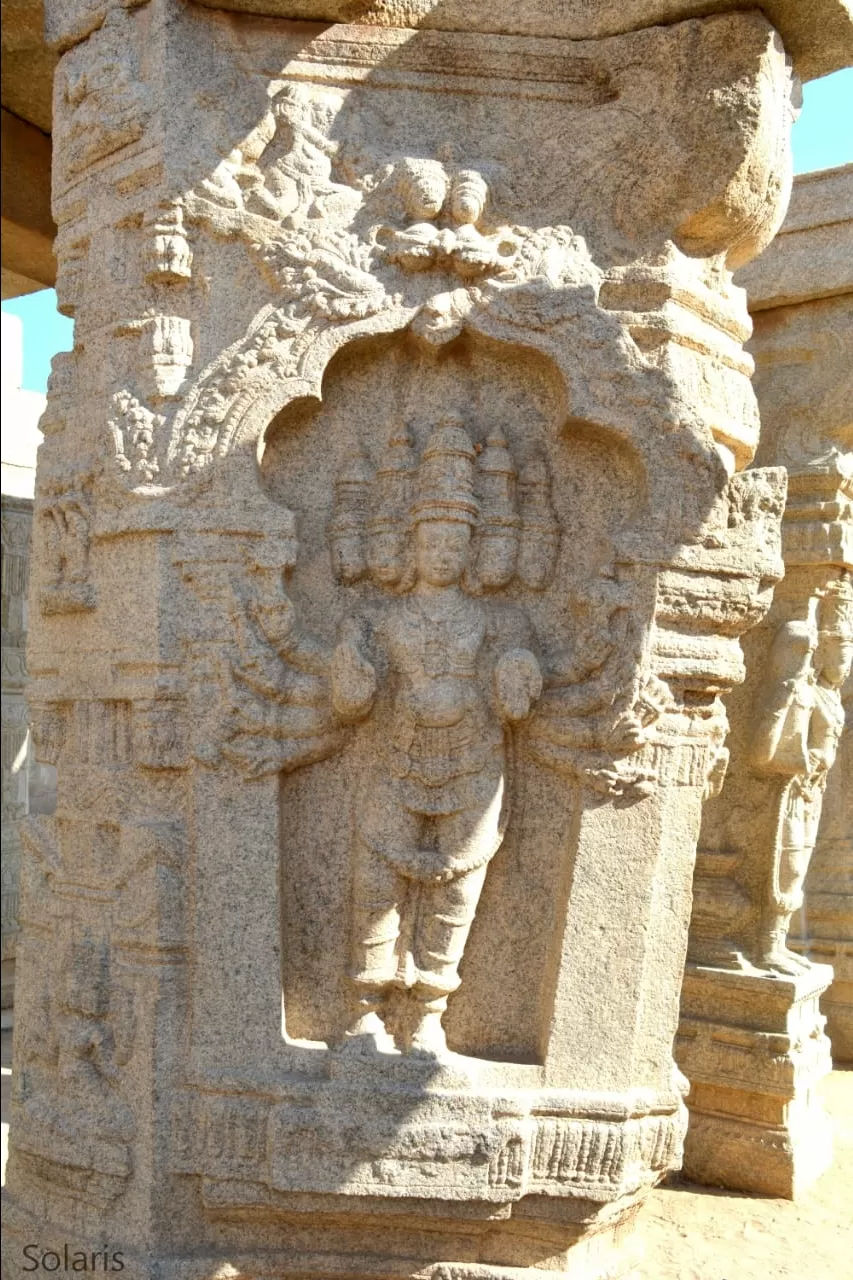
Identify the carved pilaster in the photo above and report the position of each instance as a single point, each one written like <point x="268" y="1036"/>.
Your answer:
<point x="17" y="524"/>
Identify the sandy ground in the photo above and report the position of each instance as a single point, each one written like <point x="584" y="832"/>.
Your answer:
<point x="697" y="1233"/>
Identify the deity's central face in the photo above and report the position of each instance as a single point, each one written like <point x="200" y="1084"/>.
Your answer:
<point x="442" y="551"/>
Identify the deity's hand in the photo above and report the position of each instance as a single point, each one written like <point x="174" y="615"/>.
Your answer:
<point x="518" y="684"/>
<point x="353" y="678"/>
<point x="276" y="619"/>
<point x="269" y="605"/>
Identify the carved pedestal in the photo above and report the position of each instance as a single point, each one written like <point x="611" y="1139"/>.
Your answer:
<point x="756" y="1119"/>
<point x="753" y="1048"/>
<point x="393" y="550"/>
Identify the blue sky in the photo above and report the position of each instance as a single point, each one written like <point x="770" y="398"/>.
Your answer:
<point x="822" y="139"/>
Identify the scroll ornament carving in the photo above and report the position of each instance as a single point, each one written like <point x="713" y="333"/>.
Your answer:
<point x="602" y="699"/>
<point x="796" y="739"/>
<point x="349" y="241"/>
<point x="135" y="430"/>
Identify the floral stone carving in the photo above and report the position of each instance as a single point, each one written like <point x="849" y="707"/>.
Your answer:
<point x="410" y="554"/>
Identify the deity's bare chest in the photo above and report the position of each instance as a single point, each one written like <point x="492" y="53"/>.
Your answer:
<point x="429" y="641"/>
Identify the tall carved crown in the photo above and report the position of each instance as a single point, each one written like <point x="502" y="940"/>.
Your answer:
<point x="836" y="609"/>
<point x="445" y="489"/>
<point x="516" y="530"/>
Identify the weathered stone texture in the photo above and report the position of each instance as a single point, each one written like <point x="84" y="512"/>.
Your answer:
<point x="392" y="553"/>
<point x="755" y="1120"/>
<point x="812" y="258"/>
<point x="26" y="785"/>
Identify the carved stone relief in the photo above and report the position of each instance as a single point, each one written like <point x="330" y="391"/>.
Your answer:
<point x="64" y="514"/>
<point x="392" y="491"/>
<point x="78" y="1127"/>
<point x="105" y="105"/>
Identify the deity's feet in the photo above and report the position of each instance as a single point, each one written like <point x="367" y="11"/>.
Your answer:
<point x="428" y="1037"/>
<point x="779" y="959"/>
<point x="367" y="1034"/>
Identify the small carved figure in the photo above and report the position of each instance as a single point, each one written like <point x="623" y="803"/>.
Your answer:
<point x="443" y="682"/>
<point x="66" y="521"/>
<point x="87" y="1037"/>
<point x="295" y="177"/>
<point x="237" y="182"/>
<point x="107" y="104"/>
<point x="89" y="1059"/>
<point x="798" y="737"/>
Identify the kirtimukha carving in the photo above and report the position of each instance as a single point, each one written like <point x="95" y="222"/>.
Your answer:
<point x="395" y="546"/>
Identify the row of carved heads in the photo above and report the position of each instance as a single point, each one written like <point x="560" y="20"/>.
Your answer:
<point x="375" y="511"/>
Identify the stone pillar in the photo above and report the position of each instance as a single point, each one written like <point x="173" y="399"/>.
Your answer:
<point x="821" y="297"/>
<point x="392" y="549"/>
<point x="16" y="522"/>
<point x="752" y="1038"/>
<point x="23" y="779"/>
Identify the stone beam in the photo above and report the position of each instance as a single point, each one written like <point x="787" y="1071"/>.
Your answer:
<point x="818" y="34"/>
<point x="28" y="63"/>
<point x="27" y="226"/>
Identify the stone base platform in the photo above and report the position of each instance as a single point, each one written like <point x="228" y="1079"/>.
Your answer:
<point x="607" y="1249"/>
<point x="837" y="1003"/>
<point x="753" y="1047"/>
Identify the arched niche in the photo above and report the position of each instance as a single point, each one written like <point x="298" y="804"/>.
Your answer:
<point x="598" y="489"/>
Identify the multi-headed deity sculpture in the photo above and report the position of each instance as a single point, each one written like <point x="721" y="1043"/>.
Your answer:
<point x="442" y="683"/>
<point x="440" y="673"/>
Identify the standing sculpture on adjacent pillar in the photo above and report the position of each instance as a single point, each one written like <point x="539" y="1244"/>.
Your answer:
<point x="798" y="733"/>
